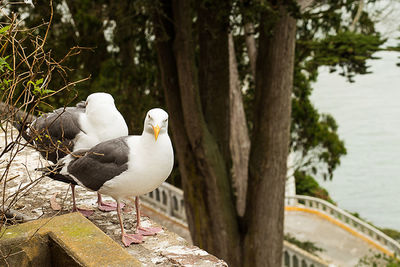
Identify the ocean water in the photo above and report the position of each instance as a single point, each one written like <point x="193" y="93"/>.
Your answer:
<point x="368" y="115"/>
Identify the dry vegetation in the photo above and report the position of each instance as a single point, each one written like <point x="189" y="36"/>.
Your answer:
<point x="27" y="70"/>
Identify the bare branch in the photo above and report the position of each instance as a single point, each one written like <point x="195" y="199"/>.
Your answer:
<point x="358" y="15"/>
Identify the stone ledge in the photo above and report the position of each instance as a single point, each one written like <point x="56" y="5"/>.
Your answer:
<point x="82" y="242"/>
<point x="165" y="249"/>
<point x="72" y="240"/>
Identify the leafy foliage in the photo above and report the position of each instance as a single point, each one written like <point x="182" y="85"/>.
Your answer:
<point x="325" y="39"/>
<point x="308" y="186"/>
<point x="116" y="52"/>
<point x="5" y="69"/>
<point x="3" y="62"/>
<point x="38" y="89"/>
<point x="346" y="50"/>
<point x="314" y="136"/>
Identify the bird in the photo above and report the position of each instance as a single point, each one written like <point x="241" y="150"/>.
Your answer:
<point x="124" y="168"/>
<point x="64" y="130"/>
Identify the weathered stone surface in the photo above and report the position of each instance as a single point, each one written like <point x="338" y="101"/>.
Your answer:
<point x="164" y="249"/>
<point x="21" y="251"/>
<point x="66" y="240"/>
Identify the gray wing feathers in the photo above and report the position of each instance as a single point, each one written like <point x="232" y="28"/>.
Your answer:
<point x="101" y="163"/>
<point x="53" y="133"/>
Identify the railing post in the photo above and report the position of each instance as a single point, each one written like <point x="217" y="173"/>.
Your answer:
<point x="169" y="206"/>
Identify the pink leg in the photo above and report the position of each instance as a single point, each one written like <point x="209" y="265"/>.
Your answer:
<point x="146" y="231"/>
<point x="84" y="212"/>
<point x="127" y="239"/>
<point x="106" y="206"/>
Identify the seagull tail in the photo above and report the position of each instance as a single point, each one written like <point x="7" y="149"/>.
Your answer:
<point x="50" y="169"/>
<point x="53" y="172"/>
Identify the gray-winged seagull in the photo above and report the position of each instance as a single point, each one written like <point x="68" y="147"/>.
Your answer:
<point x="125" y="167"/>
<point x="58" y="133"/>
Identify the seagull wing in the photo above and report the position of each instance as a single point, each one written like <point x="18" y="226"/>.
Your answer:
<point x="95" y="166"/>
<point x="53" y="133"/>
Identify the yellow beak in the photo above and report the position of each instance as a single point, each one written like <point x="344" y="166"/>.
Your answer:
<point x="156" y="131"/>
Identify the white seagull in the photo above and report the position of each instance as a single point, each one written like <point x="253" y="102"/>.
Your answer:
<point x="65" y="130"/>
<point x="124" y="167"/>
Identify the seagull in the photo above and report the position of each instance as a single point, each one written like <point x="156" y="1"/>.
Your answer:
<point x="124" y="168"/>
<point x="56" y="134"/>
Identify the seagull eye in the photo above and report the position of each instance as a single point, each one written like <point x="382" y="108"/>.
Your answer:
<point x="149" y="116"/>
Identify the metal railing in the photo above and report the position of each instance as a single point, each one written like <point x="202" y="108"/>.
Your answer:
<point x="296" y="257"/>
<point x="346" y="218"/>
<point x="169" y="200"/>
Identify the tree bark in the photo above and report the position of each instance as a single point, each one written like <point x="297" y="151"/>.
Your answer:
<point x="164" y="31"/>
<point x="208" y="196"/>
<point x="210" y="204"/>
<point x="270" y="142"/>
<point x="239" y="141"/>
<point x="213" y="24"/>
<point x="251" y="46"/>
<point x="357" y="16"/>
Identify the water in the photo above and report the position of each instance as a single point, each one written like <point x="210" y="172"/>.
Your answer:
<point x="368" y="115"/>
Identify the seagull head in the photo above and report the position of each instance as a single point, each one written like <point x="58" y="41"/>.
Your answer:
<point x="156" y="122"/>
<point x="99" y="98"/>
<point x="98" y="103"/>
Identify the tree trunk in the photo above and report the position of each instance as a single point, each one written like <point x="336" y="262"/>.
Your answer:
<point x="164" y="31"/>
<point x="239" y="141"/>
<point x="357" y="16"/>
<point x="251" y="46"/>
<point x="201" y="144"/>
<point x="208" y="196"/>
<point x="270" y="142"/>
<point x="213" y="24"/>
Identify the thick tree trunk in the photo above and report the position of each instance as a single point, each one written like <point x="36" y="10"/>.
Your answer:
<point x="192" y="185"/>
<point x="164" y="31"/>
<point x="213" y="24"/>
<point x="270" y="142"/>
<point x="201" y="146"/>
<point x="208" y="196"/>
<point x="239" y="141"/>
<point x="251" y="46"/>
<point x="221" y="212"/>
